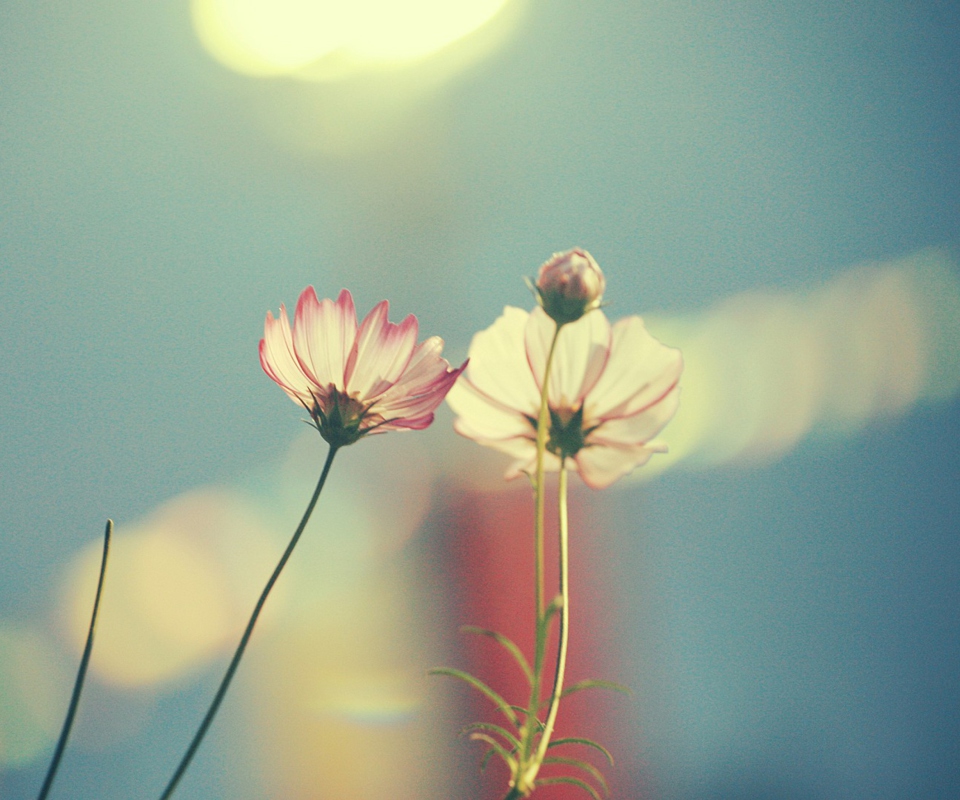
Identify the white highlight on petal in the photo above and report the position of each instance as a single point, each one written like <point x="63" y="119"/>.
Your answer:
<point x="635" y="358"/>
<point x="599" y="467"/>
<point x="480" y="416"/>
<point x="583" y="348"/>
<point x="498" y="363"/>
<point x="279" y="360"/>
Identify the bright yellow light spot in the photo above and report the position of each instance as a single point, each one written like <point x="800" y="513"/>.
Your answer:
<point x="166" y="610"/>
<point x="180" y="585"/>
<point x="413" y="29"/>
<point x="276" y="37"/>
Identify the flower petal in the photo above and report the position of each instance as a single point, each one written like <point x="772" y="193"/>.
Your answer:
<point x="582" y="352"/>
<point x="527" y="462"/>
<point x="479" y="416"/>
<point x="521" y="448"/>
<point x="639" y="371"/>
<point x="422" y="386"/>
<point x="641" y="427"/>
<point x="424" y="369"/>
<point x="380" y="352"/>
<point x="279" y="361"/>
<point x="537" y="335"/>
<point x="602" y="465"/>
<point x="579" y="359"/>
<point x="416" y="411"/>
<point x="426" y="373"/>
<point x="498" y="364"/>
<point x="323" y="336"/>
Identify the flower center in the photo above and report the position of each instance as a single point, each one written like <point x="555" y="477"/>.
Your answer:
<point x="566" y="436"/>
<point x="566" y="432"/>
<point x="338" y="417"/>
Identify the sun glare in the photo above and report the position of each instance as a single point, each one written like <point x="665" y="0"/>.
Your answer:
<point x="283" y="37"/>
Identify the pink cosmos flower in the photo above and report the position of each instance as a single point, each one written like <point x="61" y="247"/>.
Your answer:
<point x="611" y="390"/>
<point x="354" y="380"/>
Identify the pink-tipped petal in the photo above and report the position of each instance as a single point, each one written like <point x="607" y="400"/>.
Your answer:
<point x="425" y="368"/>
<point x="380" y="352"/>
<point x="279" y="362"/>
<point x="354" y="380"/>
<point x="418" y="405"/>
<point x="423" y="384"/>
<point x="408" y="423"/>
<point x="323" y="336"/>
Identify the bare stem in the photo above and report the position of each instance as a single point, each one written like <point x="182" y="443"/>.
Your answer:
<point x="81" y="671"/>
<point x="235" y="661"/>
<point x="543" y="432"/>
<point x="564" y="618"/>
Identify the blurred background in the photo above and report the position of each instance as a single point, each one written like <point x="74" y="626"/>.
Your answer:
<point x="774" y="186"/>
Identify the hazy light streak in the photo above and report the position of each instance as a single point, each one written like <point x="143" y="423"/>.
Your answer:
<point x="764" y="370"/>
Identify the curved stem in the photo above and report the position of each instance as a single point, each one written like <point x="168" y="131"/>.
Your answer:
<point x="234" y="663"/>
<point x="81" y="671"/>
<point x="564" y="618"/>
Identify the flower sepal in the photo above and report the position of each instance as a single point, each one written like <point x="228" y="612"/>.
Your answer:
<point x="338" y="419"/>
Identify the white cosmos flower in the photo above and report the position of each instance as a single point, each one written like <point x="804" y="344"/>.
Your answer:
<point x="612" y="389"/>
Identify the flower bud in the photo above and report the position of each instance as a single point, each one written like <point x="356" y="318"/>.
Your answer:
<point x="569" y="285"/>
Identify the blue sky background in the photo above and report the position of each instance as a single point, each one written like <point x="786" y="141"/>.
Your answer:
<point x="154" y="205"/>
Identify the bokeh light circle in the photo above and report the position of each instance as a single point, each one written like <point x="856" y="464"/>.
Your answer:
<point x="279" y="37"/>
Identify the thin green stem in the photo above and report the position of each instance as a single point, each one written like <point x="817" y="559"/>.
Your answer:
<point x="235" y="661"/>
<point x="543" y="432"/>
<point x="564" y="618"/>
<point x="81" y="671"/>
